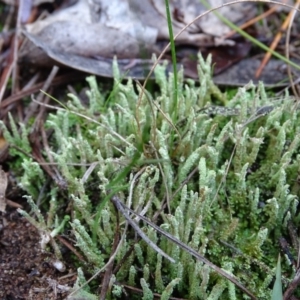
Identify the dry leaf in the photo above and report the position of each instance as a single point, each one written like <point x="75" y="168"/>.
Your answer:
<point x="129" y="29"/>
<point x="87" y="35"/>
<point x="100" y="66"/>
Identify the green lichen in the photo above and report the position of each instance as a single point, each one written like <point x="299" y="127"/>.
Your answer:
<point x="223" y="181"/>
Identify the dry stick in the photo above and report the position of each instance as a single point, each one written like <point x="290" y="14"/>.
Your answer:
<point x="13" y="204"/>
<point x="3" y="186"/>
<point x="287" y="51"/>
<point x="251" y="22"/>
<point x="16" y="47"/>
<point x="32" y="81"/>
<point x="38" y="122"/>
<point x="4" y="78"/>
<point x="89" y="171"/>
<point x="8" y="104"/>
<point x="27" y="91"/>
<point x="155" y="295"/>
<point x="274" y="44"/>
<point x="109" y="268"/>
<point x="122" y="208"/>
<point x="71" y="248"/>
<point x="33" y="106"/>
<point x="292" y="286"/>
<point x="7" y="72"/>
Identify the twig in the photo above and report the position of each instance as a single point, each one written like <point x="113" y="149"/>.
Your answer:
<point x="156" y="295"/>
<point x="287" y="51"/>
<point x="3" y="186"/>
<point x="252" y="21"/>
<point x="293" y="285"/>
<point x="6" y="74"/>
<point x="275" y="42"/>
<point x="33" y="106"/>
<point x="13" y="204"/>
<point x="16" y="48"/>
<point x="122" y="209"/>
<point x="27" y="91"/>
<point x="71" y="248"/>
<point x="109" y="268"/>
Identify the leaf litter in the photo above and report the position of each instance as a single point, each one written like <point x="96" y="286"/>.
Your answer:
<point x="87" y="37"/>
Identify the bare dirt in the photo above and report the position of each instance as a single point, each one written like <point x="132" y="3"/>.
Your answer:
<point x="26" y="272"/>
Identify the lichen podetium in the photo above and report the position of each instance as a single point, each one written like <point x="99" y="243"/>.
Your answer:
<point x="221" y="180"/>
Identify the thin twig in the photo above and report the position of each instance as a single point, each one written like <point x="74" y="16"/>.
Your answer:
<point x="27" y="91"/>
<point x="71" y="248"/>
<point x="3" y="186"/>
<point x="287" y="50"/>
<point x="292" y="286"/>
<point x="109" y="268"/>
<point x="16" y="48"/>
<point x="6" y="74"/>
<point x="33" y="106"/>
<point x="252" y="21"/>
<point x="121" y="207"/>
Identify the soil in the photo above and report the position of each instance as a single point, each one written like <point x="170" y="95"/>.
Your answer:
<point x="27" y="272"/>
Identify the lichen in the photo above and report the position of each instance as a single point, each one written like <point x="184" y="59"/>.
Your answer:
<point x="225" y="184"/>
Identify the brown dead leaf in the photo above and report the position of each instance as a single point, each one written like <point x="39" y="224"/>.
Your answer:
<point x="3" y="186"/>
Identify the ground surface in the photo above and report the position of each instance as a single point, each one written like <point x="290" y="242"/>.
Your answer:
<point x="25" y="271"/>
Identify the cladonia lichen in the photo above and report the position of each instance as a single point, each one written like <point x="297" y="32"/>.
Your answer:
<point x="222" y="183"/>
